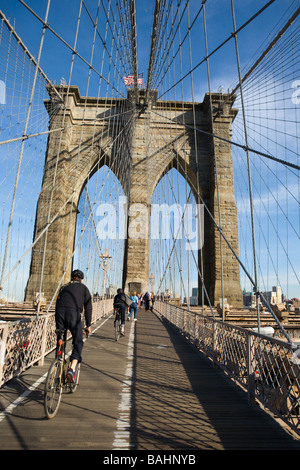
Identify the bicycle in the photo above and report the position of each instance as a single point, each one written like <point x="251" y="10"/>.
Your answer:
<point x="117" y="325"/>
<point x="56" y="382"/>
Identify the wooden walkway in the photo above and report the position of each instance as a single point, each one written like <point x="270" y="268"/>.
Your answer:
<point x="150" y="391"/>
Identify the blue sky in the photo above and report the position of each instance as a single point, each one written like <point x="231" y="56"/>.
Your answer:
<point x="63" y="17"/>
<point x="56" y="60"/>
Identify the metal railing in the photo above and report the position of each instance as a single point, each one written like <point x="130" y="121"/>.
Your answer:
<point x="268" y="369"/>
<point x="26" y="342"/>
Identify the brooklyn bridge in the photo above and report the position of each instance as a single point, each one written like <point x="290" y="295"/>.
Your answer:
<point x="154" y="146"/>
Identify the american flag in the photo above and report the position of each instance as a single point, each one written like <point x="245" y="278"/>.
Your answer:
<point x="129" y="81"/>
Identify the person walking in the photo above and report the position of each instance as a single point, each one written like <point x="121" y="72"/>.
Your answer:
<point x="133" y="306"/>
<point x="140" y="301"/>
<point x="147" y="300"/>
<point x="152" y="300"/>
<point x="72" y="299"/>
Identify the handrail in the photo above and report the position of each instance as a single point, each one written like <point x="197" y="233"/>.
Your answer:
<point x="267" y="368"/>
<point x="26" y="342"/>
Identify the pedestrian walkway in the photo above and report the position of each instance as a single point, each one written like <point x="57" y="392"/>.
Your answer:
<point x="182" y="402"/>
<point x="151" y="390"/>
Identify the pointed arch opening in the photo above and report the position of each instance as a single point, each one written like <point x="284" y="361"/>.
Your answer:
<point x="101" y="232"/>
<point x="176" y="238"/>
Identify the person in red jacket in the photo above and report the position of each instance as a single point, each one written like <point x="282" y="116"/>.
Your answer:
<point x="72" y="299"/>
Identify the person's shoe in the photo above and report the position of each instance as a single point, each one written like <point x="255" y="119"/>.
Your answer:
<point x="135" y="319"/>
<point x="70" y="376"/>
<point x="122" y="330"/>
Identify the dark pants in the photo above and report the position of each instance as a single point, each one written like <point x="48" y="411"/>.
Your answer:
<point x="122" y="308"/>
<point x="70" y="319"/>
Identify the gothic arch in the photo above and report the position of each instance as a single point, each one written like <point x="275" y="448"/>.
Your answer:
<point x="175" y="160"/>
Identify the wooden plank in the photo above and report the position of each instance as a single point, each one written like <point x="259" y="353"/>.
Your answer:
<point x="178" y="400"/>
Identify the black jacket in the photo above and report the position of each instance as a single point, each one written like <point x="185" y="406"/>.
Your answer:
<point x="76" y="295"/>
<point x="120" y="300"/>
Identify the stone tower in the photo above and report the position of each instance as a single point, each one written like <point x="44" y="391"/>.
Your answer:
<point x="88" y="141"/>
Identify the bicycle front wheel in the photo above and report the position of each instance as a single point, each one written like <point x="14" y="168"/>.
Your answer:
<point x="53" y="389"/>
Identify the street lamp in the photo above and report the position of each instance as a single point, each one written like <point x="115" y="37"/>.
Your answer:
<point x="105" y="260"/>
<point x="151" y="280"/>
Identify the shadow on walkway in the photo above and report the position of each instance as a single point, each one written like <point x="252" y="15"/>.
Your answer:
<point x="181" y="401"/>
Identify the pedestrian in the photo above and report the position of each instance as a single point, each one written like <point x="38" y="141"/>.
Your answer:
<point x="71" y="300"/>
<point x="133" y="306"/>
<point x="141" y="300"/>
<point x="147" y="300"/>
<point x="152" y="300"/>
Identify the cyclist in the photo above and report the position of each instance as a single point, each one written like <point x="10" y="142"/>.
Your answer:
<point x="72" y="299"/>
<point x="120" y="303"/>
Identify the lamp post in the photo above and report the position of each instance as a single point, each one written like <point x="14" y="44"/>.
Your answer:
<point x="105" y="260"/>
<point x="151" y="280"/>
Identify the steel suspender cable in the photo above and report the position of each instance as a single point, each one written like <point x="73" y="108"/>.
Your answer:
<point x="22" y="148"/>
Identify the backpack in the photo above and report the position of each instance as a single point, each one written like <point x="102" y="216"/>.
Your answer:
<point x="128" y="300"/>
<point x="122" y="299"/>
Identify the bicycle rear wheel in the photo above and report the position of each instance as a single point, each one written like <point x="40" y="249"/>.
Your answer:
<point x="53" y="389"/>
<point x="117" y="329"/>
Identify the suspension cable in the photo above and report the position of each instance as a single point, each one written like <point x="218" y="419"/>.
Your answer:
<point x="22" y="145"/>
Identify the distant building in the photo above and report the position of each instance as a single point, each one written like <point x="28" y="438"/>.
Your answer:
<point x="249" y="299"/>
<point x="109" y="292"/>
<point x="194" y="297"/>
<point x="195" y="292"/>
<point x="274" y="296"/>
<point x="294" y="303"/>
<point x="168" y="293"/>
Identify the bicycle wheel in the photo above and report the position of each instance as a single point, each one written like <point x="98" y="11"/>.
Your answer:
<point x="117" y="329"/>
<point x="53" y="389"/>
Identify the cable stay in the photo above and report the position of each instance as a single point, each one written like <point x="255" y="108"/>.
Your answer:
<point x="189" y="59"/>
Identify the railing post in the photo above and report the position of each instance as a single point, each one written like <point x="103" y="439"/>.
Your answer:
<point x="213" y="342"/>
<point x="44" y="340"/>
<point x="3" y="350"/>
<point x="250" y="375"/>
<point x="100" y="311"/>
